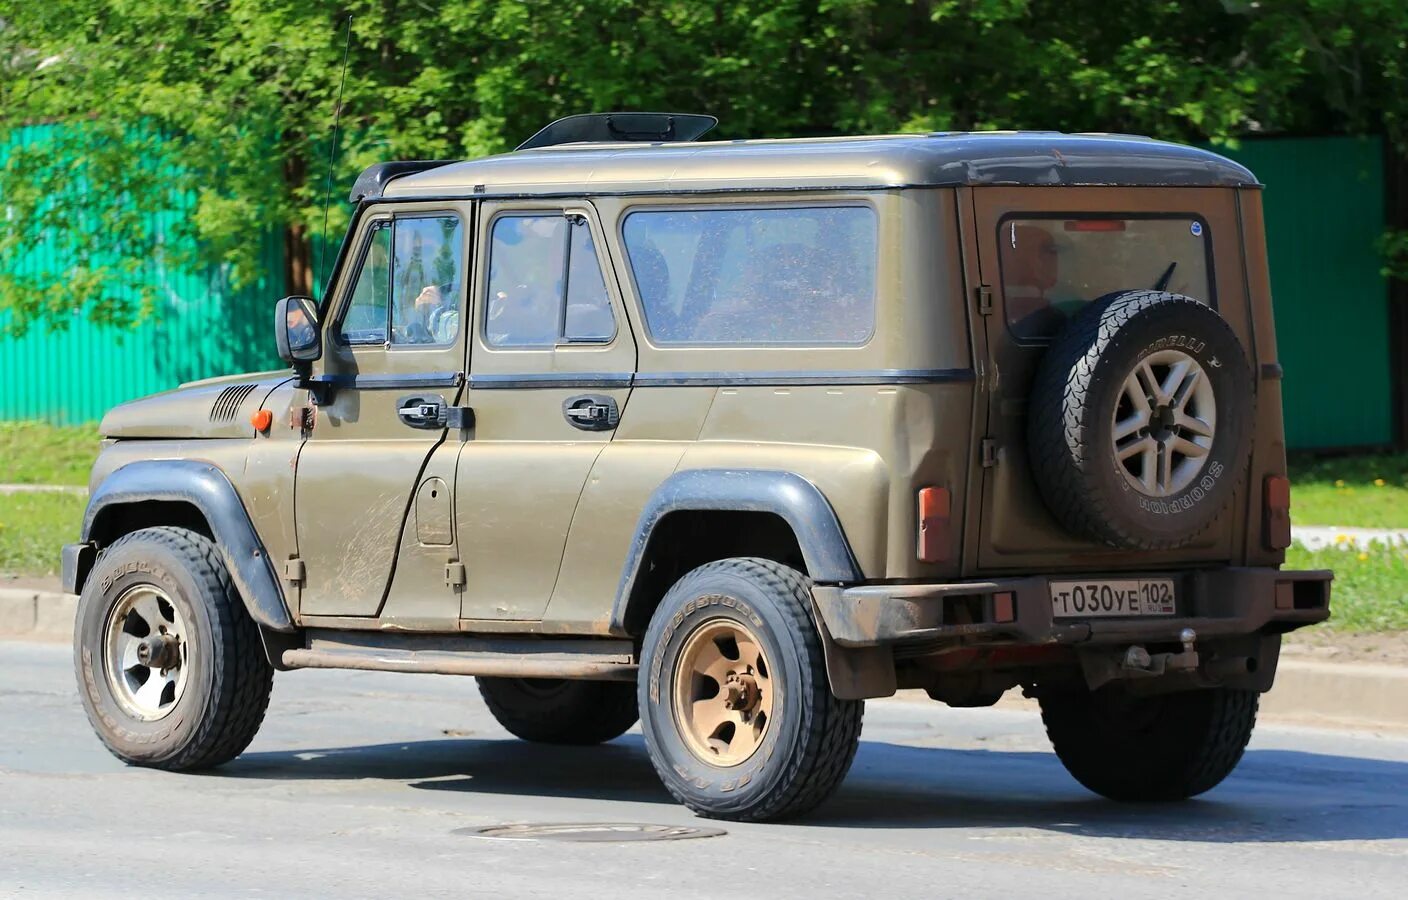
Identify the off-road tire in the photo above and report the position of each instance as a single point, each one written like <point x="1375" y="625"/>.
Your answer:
<point x="227" y="692"/>
<point x="1070" y="429"/>
<point x="1150" y="749"/>
<point x="557" y="711"/>
<point x="812" y="737"/>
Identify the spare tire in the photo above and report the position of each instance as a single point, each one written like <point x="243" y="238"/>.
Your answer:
<point x="1139" y="420"/>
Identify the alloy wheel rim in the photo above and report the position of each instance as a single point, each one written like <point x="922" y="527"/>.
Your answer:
<point x="1163" y="424"/>
<point x="723" y="693"/>
<point x="146" y="653"/>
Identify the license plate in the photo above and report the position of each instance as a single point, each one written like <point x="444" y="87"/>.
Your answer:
<point x="1112" y="597"/>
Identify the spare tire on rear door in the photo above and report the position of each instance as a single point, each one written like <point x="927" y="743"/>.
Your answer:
<point x="1139" y="421"/>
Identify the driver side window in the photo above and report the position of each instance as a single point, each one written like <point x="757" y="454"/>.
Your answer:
<point x="409" y="288"/>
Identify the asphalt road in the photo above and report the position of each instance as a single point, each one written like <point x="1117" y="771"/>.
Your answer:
<point x="360" y="785"/>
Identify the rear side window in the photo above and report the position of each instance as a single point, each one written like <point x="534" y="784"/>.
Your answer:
<point x="1052" y="267"/>
<point x="755" y="276"/>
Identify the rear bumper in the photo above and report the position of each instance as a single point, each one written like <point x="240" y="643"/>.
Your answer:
<point x="1214" y="603"/>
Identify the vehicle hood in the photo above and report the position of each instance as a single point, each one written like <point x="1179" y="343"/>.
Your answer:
<point x="211" y="408"/>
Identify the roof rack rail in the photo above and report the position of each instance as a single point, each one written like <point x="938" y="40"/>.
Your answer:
<point x="622" y="126"/>
<point x="374" y="178"/>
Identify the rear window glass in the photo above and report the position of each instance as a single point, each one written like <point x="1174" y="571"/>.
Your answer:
<point x="755" y="276"/>
<point x="1051" y="267"/>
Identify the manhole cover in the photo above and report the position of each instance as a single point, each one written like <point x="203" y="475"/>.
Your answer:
<point x="592" y="832"/>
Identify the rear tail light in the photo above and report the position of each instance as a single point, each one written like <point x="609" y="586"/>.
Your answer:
<point x="935" y="508"/>
<point x="1276" y="514"/>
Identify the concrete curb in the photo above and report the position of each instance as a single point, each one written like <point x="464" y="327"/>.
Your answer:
<point x="1359" y="695"/>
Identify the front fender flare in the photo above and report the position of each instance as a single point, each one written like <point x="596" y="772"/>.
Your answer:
<point x="796" y="500"/>
<point x="206" y="488"/>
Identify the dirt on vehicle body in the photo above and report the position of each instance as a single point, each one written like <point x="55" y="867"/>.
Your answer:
<point x="731" y="437"/>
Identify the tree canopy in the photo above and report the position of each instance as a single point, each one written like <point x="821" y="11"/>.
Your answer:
<point x="217" y="113"/>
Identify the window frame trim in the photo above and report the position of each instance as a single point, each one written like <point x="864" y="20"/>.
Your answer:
<point x="849" y="202"/>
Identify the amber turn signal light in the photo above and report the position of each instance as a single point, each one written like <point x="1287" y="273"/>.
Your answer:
<point x="261" y="420"/>
<point x="1276" y="512"/>
<point x="935" y="507"/>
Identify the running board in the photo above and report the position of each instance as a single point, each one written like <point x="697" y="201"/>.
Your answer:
<point x="591" y="659"/>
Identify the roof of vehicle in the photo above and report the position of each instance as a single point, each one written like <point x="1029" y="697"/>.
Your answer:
<point x="885" y="161"/>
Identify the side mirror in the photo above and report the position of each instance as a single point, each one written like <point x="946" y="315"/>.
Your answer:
<point x="296" y="330"/>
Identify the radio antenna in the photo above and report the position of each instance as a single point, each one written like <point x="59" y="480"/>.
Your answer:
<point x="332" y="155"/>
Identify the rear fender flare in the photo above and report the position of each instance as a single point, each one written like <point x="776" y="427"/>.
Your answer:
<point x="799" y="503"/>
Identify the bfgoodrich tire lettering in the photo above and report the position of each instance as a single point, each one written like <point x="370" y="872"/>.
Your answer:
<point x="1086" y="442"/>
<point x="811" y="739"/>
<point x="226" y="690"/>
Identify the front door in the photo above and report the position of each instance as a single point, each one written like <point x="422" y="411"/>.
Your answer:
<point x="550" y="373"/>
<point x="394" y="353"/>
<point x="1043" y="255"/>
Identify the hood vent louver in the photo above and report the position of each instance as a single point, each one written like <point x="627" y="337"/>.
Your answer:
<point x="228" y="403"/>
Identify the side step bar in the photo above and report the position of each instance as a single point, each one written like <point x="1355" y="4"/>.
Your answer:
<point x="591" y="659"/>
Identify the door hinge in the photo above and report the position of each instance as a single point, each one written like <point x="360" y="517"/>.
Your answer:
<point x="294" y="573"/>
<point x="455" y="575"/>
<point x="984" y="300"/>
<point x="987" y="449"/>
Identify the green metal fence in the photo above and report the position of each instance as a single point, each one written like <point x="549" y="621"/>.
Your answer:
<point x="200" y="325"/>
<point x="1324" y="207"/>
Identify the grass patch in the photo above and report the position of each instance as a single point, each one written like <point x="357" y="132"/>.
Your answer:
<point x="1370" y="592"/>
<point x="36" y="453"/>
<point x="33" y="527"/>
<point x="1369" y="491"/>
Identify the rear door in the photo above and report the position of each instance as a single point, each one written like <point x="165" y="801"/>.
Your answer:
<point x="1043" y="254"/>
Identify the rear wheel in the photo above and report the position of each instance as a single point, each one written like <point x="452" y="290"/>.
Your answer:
<point x="556" y="711"/>
<point x="170" y="666"/>
<point x="1160" y="748"/>
<point x="737" y="712"/>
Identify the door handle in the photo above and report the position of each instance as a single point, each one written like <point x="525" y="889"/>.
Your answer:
<point x="422" y="412"/>
<point x="591" y="412"/>
<point x="432" y="413"/>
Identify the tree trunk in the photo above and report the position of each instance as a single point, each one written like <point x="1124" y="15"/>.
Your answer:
<point x="298" y="272"/>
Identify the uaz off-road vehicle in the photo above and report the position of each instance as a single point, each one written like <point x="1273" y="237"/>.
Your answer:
<point x="729" y="437"/>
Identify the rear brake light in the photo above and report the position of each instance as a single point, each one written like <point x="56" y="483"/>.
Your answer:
<point x="1096" y="225"/>
<point x="1276" y="513"/>
<point x="935" y="507"/>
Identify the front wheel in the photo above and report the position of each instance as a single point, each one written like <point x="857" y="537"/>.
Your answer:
<point x="170" y="666"/>
<point x="739" y="719"/>
<point x="1142" y="749"/>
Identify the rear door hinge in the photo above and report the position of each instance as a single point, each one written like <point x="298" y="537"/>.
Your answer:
<point x="455" y="576"/>
<point x="987" y="449"/>
<point x="984" y="293"/>
<point x="294" y="573"/>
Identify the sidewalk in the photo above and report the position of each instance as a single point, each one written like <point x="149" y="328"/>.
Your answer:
<point x="43" y="489"/>
<point x="1318" y="537"/>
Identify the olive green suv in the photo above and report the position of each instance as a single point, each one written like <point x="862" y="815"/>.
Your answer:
<point x="728" y="437"/>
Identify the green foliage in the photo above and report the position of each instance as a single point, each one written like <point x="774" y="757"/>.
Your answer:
<point x="38" y="453"/>
<point x="230" y="102"/>
<point x="1364" y="491"/>
<point x="32" y="529"/>
<point x="1370" y="592"/>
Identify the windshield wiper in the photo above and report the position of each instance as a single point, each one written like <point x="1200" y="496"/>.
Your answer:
<point x="1162" y="283"/>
